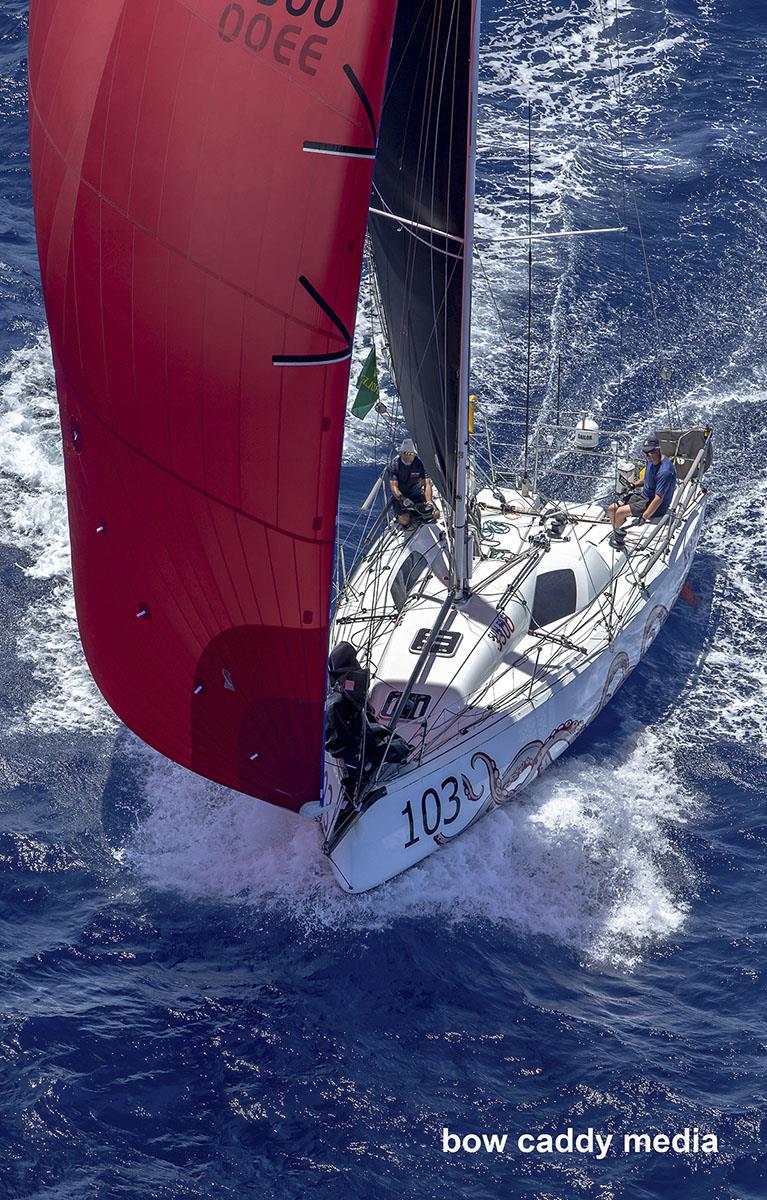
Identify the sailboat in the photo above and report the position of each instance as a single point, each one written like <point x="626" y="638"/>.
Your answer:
<point x="205" y="175"/>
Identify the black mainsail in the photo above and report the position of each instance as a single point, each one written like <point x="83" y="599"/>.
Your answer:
<point x="418" y="221"/>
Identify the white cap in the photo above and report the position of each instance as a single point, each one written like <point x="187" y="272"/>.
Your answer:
<point x="407" y="447"/>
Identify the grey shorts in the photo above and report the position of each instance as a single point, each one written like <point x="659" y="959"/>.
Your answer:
<point x="637" y="504"/>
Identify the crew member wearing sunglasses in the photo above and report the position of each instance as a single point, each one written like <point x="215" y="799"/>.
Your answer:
<point x="651" y="503"/>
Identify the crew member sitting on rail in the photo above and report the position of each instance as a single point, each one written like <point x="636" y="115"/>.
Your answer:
<point x="410" y="486"/>
<point x="351" y="729"/>
<point x="652" y="501"/>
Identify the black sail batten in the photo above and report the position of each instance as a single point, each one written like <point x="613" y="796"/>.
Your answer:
<point x="421" y="177"/>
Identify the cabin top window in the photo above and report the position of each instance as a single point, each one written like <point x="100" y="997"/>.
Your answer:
<point x="407" y="577"/>
<point x="555" y="597"/>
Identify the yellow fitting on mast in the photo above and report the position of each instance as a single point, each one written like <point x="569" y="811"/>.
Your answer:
<point x="472" y="406"/>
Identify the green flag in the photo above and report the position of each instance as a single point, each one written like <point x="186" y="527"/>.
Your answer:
<point x="367" y="387"/>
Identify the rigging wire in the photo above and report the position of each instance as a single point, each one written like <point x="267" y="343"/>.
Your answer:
<point x="376" y="575"/>
<point x="624" y="221"/>
<point x="654" y="314"/>
<point x="529" y="288"/>
<point x="491" y="291"/>
<point x="617" y="72"/>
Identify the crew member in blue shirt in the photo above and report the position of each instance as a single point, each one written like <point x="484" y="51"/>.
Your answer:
<point x="657" y="489"/>
<point x="409" y="483"/>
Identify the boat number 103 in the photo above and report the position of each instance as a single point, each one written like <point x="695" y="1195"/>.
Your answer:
<point x="437" y="808"/>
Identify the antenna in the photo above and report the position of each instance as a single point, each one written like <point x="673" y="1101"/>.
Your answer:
<point x="529" y="286"/>
<point x="559" y="382"/>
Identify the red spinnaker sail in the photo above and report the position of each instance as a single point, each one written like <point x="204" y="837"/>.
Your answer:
<point x="201" y="177"/>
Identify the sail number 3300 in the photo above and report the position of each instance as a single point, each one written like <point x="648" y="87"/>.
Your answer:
<point x="437" y="808"/>
<point x="263" y="32"/>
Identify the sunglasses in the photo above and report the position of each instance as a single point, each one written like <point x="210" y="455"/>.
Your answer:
<point x="651" y="452"/>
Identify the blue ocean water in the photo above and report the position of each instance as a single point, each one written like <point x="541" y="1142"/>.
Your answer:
<point x="189" y="1007"/>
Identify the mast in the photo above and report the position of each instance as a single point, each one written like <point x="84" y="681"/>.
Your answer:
<point x="462" y="542"/>
<point x="525" y="487"/>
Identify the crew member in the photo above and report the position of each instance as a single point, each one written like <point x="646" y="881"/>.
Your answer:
<point x="350" y="725"/>
<point x="653" y="500"/>
<point x="410" y="485"/>
<point x="344" y="718"/>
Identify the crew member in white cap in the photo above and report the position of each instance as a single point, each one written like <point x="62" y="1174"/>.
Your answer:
<point x="409" y="483"/>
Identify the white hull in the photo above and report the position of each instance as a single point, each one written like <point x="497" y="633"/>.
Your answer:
<point x="426" y="806"/>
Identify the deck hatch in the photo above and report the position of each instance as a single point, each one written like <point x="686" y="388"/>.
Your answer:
<point x="555" y="597"/>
